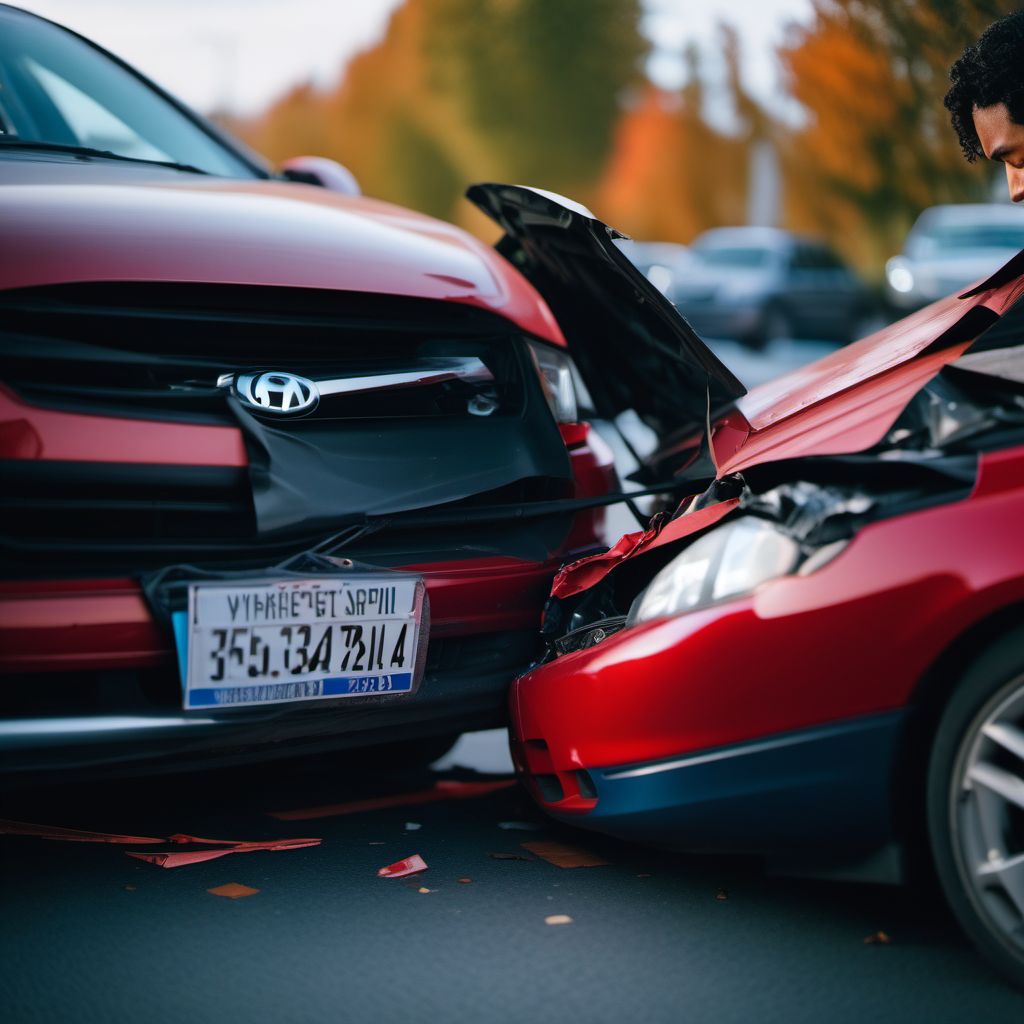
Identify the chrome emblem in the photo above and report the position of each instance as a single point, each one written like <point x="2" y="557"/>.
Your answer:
<point x="282" y="394"/>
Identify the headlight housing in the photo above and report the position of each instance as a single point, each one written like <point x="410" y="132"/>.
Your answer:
<point x="727" y="562"/>
<point x="555" y="370"/>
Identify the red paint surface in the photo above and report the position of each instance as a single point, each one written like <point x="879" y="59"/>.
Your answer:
<point x="27" y="432"/>
<point x="853" y="638"/>
<point x="262" y="233"/>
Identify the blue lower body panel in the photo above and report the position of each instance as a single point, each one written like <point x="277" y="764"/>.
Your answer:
<point x="826" y="787"/>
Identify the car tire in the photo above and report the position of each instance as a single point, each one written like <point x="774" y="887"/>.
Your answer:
<point x="975" y="804"/>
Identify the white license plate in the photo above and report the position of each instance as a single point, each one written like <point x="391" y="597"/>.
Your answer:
<point x="273" y="641"/>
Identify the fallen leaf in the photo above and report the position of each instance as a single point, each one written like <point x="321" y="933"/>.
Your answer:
<point x="520" y="826"/>
<point x="564" y="856"/>
<point x="509" y="856"/>
<point x="721" y="895"/>
<point x="401" y="868"/>
<point x="233" y="891"/>
<point x="558" y="919"/>
<point x="423" y="888"/>
<point x="445" y="789"/>
<point x="129" y="888"/>
<point x="878" y="939"/>
<point x="465" y="881"/>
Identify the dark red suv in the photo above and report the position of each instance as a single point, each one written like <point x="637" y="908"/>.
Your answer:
<point x="239" y="392"/>
<point x="233" y="405"/>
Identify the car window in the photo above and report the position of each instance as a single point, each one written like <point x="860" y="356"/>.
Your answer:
<point x="942" y="237"/>
<point x="59" y="90"/>
<point x="734" y="256"/>
<point x="92" y="124"/>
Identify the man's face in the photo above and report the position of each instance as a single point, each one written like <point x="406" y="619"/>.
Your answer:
<point x="1002" y="139"/>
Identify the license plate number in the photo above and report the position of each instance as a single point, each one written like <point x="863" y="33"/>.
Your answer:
<point x="296" y="640"/>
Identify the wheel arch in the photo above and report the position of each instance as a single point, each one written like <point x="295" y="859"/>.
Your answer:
<point x="926" y="705"/>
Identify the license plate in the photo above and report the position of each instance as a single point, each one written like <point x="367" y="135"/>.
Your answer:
<point x="277" y="641"/>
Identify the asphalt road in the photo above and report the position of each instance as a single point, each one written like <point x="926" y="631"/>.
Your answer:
<point x="90" y="934"/>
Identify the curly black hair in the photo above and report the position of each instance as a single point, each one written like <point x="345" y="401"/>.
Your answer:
<point x="989" y="72"/>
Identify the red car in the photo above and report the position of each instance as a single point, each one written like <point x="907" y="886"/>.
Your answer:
<point x="820" y="656"/>
<point x="233" y="405"/>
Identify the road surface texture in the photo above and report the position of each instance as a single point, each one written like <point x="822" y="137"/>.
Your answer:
<point x="92" y="935"/>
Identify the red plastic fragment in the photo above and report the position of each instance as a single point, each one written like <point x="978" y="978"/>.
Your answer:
<point x="225" y="847"/>
<point x="445" y="789"/>
<point x="409" y="866"/>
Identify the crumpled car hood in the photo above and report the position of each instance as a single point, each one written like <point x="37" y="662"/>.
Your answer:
<point x="839" y="405"/>
<point x="632" y="347"/>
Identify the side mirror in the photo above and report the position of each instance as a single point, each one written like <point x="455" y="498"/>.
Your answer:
<point x="322" y="171"/>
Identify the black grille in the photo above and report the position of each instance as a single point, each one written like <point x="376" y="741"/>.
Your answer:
<point x="155" y="352"/>
<point x="160" y="349"/>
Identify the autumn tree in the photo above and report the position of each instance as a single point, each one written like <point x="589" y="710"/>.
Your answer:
<point x="671" y="173"/>
<point x="464" y="90"/>
<point x="876" y="147"/>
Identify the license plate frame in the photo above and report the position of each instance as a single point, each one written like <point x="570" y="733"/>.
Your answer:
<point x="237" y="651"/>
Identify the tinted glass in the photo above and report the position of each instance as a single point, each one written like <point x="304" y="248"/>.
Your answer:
<point x="734" y="256"/>
<point x="972" y="236"/>
<point x="55" y="88"/>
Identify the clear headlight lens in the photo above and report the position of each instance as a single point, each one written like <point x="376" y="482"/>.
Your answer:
<point x="727" y="562"/>
<point x="555" y="370"/>
<point x="899" y="275"/>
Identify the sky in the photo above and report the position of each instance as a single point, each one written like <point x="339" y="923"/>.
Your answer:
<point x="239" y="55"/>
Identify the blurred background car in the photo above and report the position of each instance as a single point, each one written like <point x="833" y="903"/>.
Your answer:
<point x="948" y="248"/>
<point x="759" y="284"/>
<point x="662" y="263"/>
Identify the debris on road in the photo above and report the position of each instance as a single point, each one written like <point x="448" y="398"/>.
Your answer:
<point x="444" y="789"/>
<point x="409" y="866"/>
<point x="722" y="894"/>
<point x="412" y="826"/>
<point x="509" y="856"/>
<point x="558" y="919"/>
<point x="878" y="939"/>
<point x="520" y="826"/>
<point x="464" y="881"/>
<point x="564" y="856"/>
<point x="70" y="835"/>
<point x="223" y="847"/>
<point x="233" y="891"/>
<point x="423" y="888"/>
<point x="162" y="858"/>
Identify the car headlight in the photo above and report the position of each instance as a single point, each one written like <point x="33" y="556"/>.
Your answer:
<point x="899" y="275"/>
<point x="555" y="370"/>
<point x="727" y="562"/>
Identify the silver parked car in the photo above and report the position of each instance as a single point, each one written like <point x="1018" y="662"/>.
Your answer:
<point x="662" y="263"/>
<point x="948" y="248"/>
<point x="758" y="284"/>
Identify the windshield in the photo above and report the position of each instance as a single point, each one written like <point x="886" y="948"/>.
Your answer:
<point x="57" y="90"/>
<point x="971" y="236"/>
<point x="734" y="256"/>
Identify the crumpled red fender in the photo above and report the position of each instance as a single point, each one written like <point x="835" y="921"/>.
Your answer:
<point x="582" y="575"/>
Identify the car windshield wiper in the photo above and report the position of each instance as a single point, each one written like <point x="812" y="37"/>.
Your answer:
<point x="88" y="151"/>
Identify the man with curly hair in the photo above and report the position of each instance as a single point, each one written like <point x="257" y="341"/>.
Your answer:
<point x="986" y="99"/>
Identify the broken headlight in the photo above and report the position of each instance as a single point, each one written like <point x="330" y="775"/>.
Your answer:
<point x="727" y="562"/>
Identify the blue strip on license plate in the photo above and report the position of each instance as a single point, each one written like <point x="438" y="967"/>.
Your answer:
<point x="272" y="693"/>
